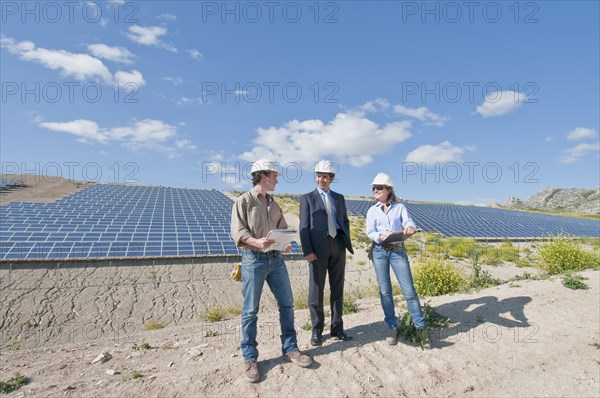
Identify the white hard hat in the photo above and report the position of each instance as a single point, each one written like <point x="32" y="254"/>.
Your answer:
<point x="325" y="166"/>
<point x="264" y="165"/>
<point x="383" y="179"/>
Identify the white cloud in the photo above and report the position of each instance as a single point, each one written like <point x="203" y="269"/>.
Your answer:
<point x="145" y="134"/>
<point x="195" y="53"/>
<point x="80" y="66"/>
<point x="378" y="105"/>
<point x="581" y="133"/>
<point x="175" y="80"/>
<point x="86" y="130"/>
<point x="549" y="138"/>
<point x="442" y="153"/>
<point x="576" y="153"/>
<point x="349" y="139"/>
<point x="149" y="130"/>
<point x="189" y="101"/>
<point x="149" y="36"/>
<point x="168" y="17"/>
<point x="185" y="144"/>
<point x="500" y="103"/>
<point x="115" y="54"/>
<point x="423" y="114"/>
<point x="126" y="79"/>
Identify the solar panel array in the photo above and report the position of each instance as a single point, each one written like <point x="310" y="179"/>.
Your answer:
<point x="486" y="222"/>
<point x="111" y="220"/>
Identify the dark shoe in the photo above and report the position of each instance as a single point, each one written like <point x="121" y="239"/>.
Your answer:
<point x="316" y="339"/>
<point x="392" y="337"/>
<point x="341" y="336"/>
<point x="251" y="371"/>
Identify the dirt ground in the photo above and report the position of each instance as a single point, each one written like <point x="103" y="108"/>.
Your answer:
<point x="38" y="188"/>
<point x="526" y="338"/>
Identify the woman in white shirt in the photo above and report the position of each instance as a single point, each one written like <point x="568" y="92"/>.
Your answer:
<point x="386" y="217"/>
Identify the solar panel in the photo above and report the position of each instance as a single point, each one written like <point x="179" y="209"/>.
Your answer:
<point x="114" y="220"/>
<point x="485" y="222"/>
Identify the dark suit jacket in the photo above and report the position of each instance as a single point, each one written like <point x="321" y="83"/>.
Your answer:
<point x="313" y="222"/>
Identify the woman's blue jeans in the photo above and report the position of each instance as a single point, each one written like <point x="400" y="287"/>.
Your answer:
<point x="258" y="267"/>
<point x="398" y="261"/>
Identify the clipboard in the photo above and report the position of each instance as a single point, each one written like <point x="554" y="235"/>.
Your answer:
<point x="397" y="237"/>
<point x="393" y="238"/>
<point x="282" y="238"/>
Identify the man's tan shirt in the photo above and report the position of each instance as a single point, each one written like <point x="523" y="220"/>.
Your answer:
<point x="253" y="216"/>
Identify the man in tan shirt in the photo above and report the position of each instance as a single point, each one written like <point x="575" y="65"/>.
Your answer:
<point x="254" y="214"/>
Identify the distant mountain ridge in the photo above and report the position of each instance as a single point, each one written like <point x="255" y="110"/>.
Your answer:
<point x="567" y="200"/>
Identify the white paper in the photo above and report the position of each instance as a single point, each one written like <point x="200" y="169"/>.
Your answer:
<point x="282" y="238"/>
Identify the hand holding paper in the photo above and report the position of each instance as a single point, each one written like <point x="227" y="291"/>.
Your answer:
<point x="281" y="238"/>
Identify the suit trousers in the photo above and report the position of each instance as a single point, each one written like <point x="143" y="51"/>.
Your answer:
<point x="334" y="264"/>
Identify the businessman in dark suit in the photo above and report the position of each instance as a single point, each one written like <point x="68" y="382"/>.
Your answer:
<point x="325" y="236"/>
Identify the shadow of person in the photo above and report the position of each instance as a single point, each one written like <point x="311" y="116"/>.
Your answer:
<point x="466" y="315"/>
<point x="361" y="335"/>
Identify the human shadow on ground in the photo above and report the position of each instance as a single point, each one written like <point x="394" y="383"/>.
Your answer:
<point x="361" y="335"/>
<point x="466" y="315"/>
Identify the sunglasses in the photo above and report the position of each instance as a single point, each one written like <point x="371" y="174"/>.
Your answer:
<point x="378" y="187"/>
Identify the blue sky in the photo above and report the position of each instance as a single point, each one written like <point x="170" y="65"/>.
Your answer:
<point x="466" y="102"/>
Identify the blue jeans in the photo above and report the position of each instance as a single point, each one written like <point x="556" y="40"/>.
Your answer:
<point x="258" y="267"/>
<point x="398" y="261"/>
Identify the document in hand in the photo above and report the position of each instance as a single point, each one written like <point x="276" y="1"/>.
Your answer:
<point x="282" y="238"/>
<point x="398" y="237"/>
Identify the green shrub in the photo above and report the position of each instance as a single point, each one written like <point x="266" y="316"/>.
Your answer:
<point x="437" y="249"/>
<point x="408" y="332"/>
<point x="217" y="314"/>
<point x="461" y="247"/>
<point x="301" y="299"/>
<point x="154" y="324"/>
<point x="18" y="380"/>
<point x="508" y="252"/>
<point x="434" y="277"/>
<point x="349" y="306"/>
<point x="525" y="276"/>
<point x="432" y="237"/>
<point x="562" y="254"/>
<point x="307" y="326"/>
<point x="490" y="255"/>
<point x="411" y="247"/>
<point x="482" y="279"/>
<point x="142" y="346"/>
<point x="574" y="282"/>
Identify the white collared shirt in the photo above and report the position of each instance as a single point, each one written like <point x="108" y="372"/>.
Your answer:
<point x="378" y="222"/>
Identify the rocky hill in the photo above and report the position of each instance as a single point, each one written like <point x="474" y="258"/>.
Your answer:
<point x="572" y="200"/>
